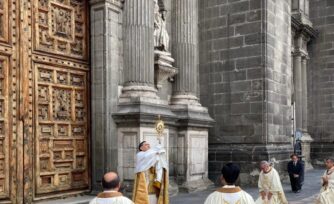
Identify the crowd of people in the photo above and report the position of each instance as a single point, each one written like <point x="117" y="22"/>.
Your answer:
<point x="151" y="182"/>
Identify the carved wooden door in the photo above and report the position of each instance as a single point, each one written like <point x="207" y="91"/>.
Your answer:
<point x="60" y="75"/>
<point x="8" y="105"/>
<point x="44" y="99"/>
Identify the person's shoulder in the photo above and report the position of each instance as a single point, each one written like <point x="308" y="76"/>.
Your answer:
<point x="126" y="199"/>
<point x="211" y="196"/>
<point x="274" y="170"/>
<point x="248" y="197"/>
<point x="246" y="194"/>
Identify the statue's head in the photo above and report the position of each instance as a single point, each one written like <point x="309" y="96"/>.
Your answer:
<point x="156" y="6"/>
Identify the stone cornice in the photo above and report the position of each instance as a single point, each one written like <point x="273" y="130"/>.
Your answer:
<point x="304" y="29"/>
<point x="299" y="53"/>
<point x="117" y="3"/>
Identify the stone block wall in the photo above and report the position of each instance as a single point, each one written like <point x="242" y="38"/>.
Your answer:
<point x="321" y="89"/>
<point x="245" y="80"/>
<point x="278" y="71"/>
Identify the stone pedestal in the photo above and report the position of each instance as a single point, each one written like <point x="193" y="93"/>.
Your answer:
<point x="128" y="139"/>
<point x="306" y="141"/>
<point x="163" y="67"/>
<point x="192" y="160"/>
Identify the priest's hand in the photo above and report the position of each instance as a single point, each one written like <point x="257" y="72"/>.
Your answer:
<point x="263" y="195"/>
<point x="269" y="195"/>
<point x="324" y="180"/>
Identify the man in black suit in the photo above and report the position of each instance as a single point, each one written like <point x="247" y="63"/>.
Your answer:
<point x="295" y="170"/>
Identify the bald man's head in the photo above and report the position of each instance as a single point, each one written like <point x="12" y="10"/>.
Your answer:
<point x="111" y="181"/>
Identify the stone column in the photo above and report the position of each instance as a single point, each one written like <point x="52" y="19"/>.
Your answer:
<point x="185" y="51"/>
<point x="304" y="92"/>
<point x="306" y="139"/>
<point x="194" y="120"/>
<point x="139" y="105"/>
<point x="138" y="49"/>
<point x="297" y="72"/>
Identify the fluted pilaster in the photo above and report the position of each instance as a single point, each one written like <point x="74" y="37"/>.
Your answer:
<point x="185" y="46"/>
<point x="138" y="42"/>
<point x="297" y="72"/>
<point x="304" y="93"/>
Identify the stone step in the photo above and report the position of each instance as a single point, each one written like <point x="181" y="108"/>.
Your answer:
<point x="73" y="200"/>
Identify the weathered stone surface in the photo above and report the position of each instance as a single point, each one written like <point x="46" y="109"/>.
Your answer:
<point x="248" y="86"/>
<point x="321" y="77"/>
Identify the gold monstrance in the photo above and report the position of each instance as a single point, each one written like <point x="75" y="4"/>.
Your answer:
<point x="159" y="127"/>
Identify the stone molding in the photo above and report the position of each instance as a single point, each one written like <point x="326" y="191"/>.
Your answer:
<point x="117" y="3"/>
<point x="304" y="29"/>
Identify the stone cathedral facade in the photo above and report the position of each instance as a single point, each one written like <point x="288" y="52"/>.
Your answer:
<point x="82" y="82"/>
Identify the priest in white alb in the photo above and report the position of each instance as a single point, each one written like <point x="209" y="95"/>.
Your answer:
<point x="151" y="179"/>
<point x="111" y="195"/>
<point x="326" y="195"/>
<point x="229" y="193"/>
<point x="270" y="187"/>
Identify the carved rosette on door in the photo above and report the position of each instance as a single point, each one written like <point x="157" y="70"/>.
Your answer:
<point x="61" y="137"/>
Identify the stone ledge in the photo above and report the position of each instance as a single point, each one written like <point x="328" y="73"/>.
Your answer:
<point x="73" y="200"/>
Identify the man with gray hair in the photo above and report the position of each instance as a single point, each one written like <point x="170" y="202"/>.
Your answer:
<point x="270" y="187"/>
<point x="326" y="195"/>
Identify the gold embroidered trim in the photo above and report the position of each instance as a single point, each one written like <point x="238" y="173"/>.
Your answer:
<point x="109" y="194"/>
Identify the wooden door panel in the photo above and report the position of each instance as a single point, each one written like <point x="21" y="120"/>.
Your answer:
<point x="4" y="8"/>
<point x="4" y="132"/>
<point x="61" y="140"/>
<point x="60" y="67"/>
<point x="61" y="27"/>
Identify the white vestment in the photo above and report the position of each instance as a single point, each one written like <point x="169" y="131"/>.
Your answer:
<point x="229" y="195"/>
<point x="270" y="182"/>
<point x="111" y="200"/>
<point x="155" y="157"/>
<point x="326" y="195"/>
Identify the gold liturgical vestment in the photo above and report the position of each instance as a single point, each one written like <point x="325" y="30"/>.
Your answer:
<point x="151" y="178"/>
<point x="145" y="186"/>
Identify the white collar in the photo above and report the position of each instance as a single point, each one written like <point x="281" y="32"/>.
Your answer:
<point x="110" y="191"/>
<point x="229" y="186"/>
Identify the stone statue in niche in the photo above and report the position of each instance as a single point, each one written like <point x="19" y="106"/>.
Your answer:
<point x="163" y="61"/>
<point x="161" y="38"/>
